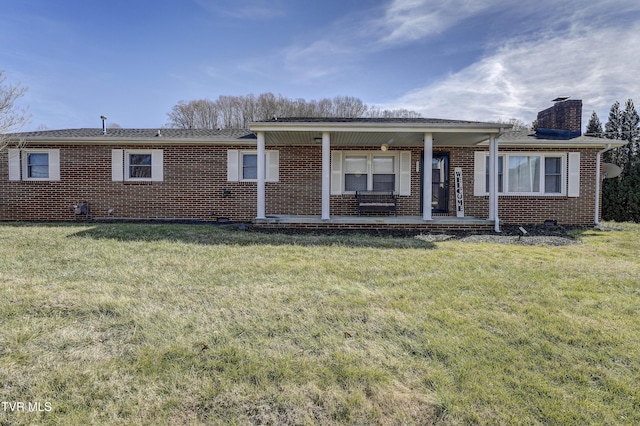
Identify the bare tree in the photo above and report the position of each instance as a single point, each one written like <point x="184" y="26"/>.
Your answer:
<point x="516" y="123"/>
<point x="376" y="112"/>
<point x="12" y="118"/>
<point x="238" y="111"/>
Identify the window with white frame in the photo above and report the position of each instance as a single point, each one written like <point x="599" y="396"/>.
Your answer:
<point x="242" y="166"/>
<point x="37" y="165"/>
<point x="531" y="173"/>
<point x="353" y="171"/>
<point x="34" y="164"/>
<point x="137" y="165"/>
<point x="249" y="166"/>
<point x="368" y="171"/>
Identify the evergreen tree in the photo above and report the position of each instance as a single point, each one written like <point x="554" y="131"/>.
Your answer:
<point x="630" y="132"/>
<point x="594" y="127"/>
<point x="621" y="195"/>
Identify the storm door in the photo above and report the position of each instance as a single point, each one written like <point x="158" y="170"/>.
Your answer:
<point x="439" y="182"/>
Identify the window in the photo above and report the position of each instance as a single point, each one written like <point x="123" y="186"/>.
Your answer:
<point x="383" y="171"/>
<point x="353" y="171"/>
<point x="528" y="173"/>
<point x="369" y="172"/>
<point x="553" y="175"/>
<point x="242" y="166"/>
<point x="500" y="179"/>
<point x="139" y="166"/>
<point x="37" y="165"/>
<point x="34" y="164"/>
<point x="136" y="165"/>
<point x="249" y="166"/>
<point x="523" y="174"/>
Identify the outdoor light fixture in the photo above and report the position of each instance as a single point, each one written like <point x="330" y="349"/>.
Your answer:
<point x="385" y="146"/>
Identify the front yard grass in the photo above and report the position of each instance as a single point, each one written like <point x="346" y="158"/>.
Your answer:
<point x="183" y="324"/>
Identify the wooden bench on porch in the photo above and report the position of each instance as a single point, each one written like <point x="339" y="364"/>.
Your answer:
<point x="377" y="201"/>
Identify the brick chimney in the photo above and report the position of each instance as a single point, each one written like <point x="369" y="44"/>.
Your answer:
<point x="563" y="120"/>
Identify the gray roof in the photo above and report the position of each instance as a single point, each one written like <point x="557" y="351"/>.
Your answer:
<point x="133" y="134"/>
<point x="529" y="138"/>
<point x="418" y="120"/>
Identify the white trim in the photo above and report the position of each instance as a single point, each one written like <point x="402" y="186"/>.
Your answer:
<point x="235" y="165"/>
<point x="233" y="162"/>
<point x="157" y="165"/>
<point x="272" y="165"/>
<point x="337" y="180"/>
<point x="405" y="173"/>
<point x="480" y="173"/>
<point x="427" y="184"/>
<point x="325" y="212"/>
<point x="369" y="155"/>
<point x="54" y="164"/>
<point x="261" y="172"/>
<point x="573" y="186"/>
<point x="14" y="164"/>
<point x="117" y="165"/>
<point x="19" y="164"/>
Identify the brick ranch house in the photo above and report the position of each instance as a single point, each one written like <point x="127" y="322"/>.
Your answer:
<point x="304" y="172"/>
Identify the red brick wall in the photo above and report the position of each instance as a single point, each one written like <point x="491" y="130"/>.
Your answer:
<point x="566" y="115"/>
<point x="196" y="176"/>
<point x="535" y="210"/>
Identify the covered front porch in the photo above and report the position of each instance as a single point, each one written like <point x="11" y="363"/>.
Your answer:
<point x="408" y="145"/>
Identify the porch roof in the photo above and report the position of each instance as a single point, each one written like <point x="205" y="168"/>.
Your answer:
<point x="375" y="131"/>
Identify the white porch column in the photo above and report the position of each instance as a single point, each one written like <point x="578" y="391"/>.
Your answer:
<point x="261" y="176"/>
<point x="492" y="178"/>
<point x="427" y="188"/>
<point x="326" y="175"/>
<point x="493" y="182"/>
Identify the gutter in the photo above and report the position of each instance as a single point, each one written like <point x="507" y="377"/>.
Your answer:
<point x="598" y="184"/>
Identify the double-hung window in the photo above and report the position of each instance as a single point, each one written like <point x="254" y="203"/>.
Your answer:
<point x="137" y="165"/>
<point x="37" y="165"/>
<point x="249" y="166"/>
<point x="356" y="173"/>
<point x="34" y="164"/>
<point x="531" y="173"/>
<point x="370" y="172"/>
<point x="353" y="171"/>
<point x="242" y="166"/>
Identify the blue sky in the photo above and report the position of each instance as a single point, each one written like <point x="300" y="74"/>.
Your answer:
<point x="132" y="60"/>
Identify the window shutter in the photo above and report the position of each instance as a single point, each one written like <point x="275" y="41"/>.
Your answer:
<point x="405" y="173"/>
<point x="232" y="165"/>
<point x="573" y="189"/>
<point x="54" y="164"/>
<point x="157" y="165"/>
<point x="14" y="164"/>
<point x="273" y="162"/>
<point x="336" y="172"/>
<point x="117" y="165"/>
<point x="479" y="174"/>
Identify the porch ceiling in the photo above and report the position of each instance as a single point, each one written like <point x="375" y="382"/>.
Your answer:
<point x="360" y="139"/>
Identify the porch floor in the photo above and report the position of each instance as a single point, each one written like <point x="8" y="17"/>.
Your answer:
<point x="375" y="222"/>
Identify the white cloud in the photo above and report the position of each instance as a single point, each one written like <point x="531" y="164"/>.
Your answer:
<point x="520" y="79"/>
<point x="408" y="20"/>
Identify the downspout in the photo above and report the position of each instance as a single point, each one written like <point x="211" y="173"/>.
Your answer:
<point x="598" y="181"/>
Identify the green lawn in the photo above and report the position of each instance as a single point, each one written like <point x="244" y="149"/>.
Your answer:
<point x="176" y="324"/>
